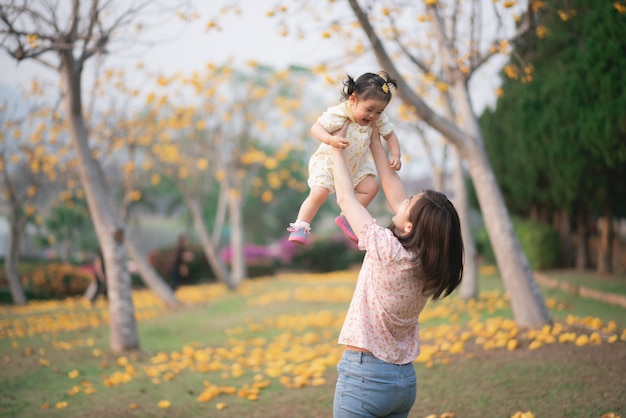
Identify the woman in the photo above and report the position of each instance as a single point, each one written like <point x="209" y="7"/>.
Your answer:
<point x="419" y="256"/>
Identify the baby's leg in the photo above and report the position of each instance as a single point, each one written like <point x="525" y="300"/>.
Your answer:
<point x="366" y="190"/>
<point x="313" y="203"/>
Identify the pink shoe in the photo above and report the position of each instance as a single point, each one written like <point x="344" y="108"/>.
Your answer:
<point x="299" y="235"/>
<point x="342" y="223"/>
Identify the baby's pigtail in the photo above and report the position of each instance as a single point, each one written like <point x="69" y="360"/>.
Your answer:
<point x="348" y="88"/>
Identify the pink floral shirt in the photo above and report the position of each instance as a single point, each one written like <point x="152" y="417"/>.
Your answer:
<point x="388" y="298"/>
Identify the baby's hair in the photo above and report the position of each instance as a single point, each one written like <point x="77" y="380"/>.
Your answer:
<point x="369" y="86"/>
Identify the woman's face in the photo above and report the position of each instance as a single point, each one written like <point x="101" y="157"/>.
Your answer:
<point x="366" y="112"/>
<point x="401" y="218"/>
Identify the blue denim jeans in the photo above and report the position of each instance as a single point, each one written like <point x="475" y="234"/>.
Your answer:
<point x="369" y="387"/>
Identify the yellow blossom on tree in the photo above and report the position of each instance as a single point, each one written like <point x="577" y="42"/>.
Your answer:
<point x="33" y="40"/>
<point x="202" y="164"/>
<point x="542" y="31"/>
<point x="267" y="196"/>
<point x="135" y="195"/>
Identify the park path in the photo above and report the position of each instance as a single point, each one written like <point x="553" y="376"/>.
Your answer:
<point x="582" y="291"/>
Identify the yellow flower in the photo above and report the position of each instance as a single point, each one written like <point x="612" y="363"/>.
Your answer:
<point x="163" y="404"/>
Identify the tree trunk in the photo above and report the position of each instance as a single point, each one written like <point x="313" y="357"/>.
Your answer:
<point x="605" y="247"/>
<point x="527" y="303"/>
<point x="123" y="327"/>
<point x="209" y="249"/>
<point x="582" y="238"/>
<point x="238" y="261"/>
<point x="469" y="284"/>
<point x="528" y="306"/>
<point x="150" y="276"/>
<point x="565" y="237"/>
<point x="11" y="263"/>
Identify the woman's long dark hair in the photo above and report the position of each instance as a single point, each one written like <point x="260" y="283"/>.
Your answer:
<point x="437" y="243"/>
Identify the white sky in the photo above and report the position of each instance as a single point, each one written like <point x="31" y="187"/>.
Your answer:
<point x="250" y="35"/>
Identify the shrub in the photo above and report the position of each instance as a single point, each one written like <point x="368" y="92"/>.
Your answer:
<point x="328" y="254"/>
<point x="539" y="242"/>
<point x="199" y="268"/>
<point x="57" y="281"/>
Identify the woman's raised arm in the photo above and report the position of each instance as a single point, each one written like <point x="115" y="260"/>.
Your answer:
<point x="389" y="179"/>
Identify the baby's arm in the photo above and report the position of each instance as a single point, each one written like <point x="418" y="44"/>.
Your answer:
<point x="336" y="139"/>
<point x="393" y="145"/>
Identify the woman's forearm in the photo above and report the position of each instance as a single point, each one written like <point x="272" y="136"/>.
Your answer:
<point x="389" y="179"/>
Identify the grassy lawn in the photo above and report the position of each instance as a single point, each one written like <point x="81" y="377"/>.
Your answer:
<point x="269" y="350"/>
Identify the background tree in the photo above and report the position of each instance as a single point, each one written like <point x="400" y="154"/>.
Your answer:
<point x="117" y="134"/>
<point x="565" y="124"/>
<point x="219" y="146"/>
<point x="64" y="40"/>
<point x="32" y="154"/>
<point x="449" y="43"/>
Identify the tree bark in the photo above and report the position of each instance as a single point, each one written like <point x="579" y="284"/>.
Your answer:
<point x="150" y="276"/>
<point x="582" y="238"/>
<point x="209" y="250"/>
<point x="238" y="261"/>
<point x="563" y="222"/>
<point x="605" y="247"/>
<point x="469" y="284"/>
<point x="528" y="306"/>
<point x="123" y="327"/>
<point x="11" y="262"/>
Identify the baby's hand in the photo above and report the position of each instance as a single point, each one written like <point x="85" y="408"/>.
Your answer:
<point x="395" y="162"/>
<point x="339" y="142"/>
<point x="338" y="138"/>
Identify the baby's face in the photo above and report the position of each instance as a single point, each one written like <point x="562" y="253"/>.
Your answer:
<point x="367" y="112"/>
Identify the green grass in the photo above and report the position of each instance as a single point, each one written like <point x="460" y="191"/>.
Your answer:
<point x="294" y="320"/>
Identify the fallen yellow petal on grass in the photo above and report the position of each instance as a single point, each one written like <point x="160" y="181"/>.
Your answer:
<point x="526" y="414"/>
<point x="582" y="340"/>
<point x="45" y="405"/>
<point x="61" y="405"/>
<point x="133" y="406"/>
<point x="73" y="374"/>
<point x="163" y="404"/>
<point x="220" y="405"/>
